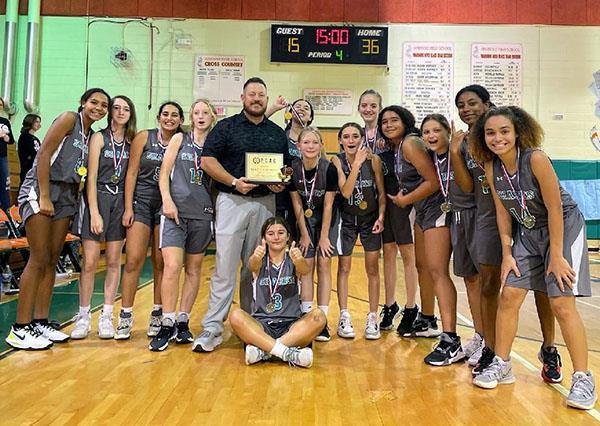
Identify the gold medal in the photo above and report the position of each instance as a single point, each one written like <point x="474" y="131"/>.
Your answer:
<point x="529" y="221"/>
<point x="270" y="308"/>
<point x="484" y="183"/>
<point x="445" y="207"/>
<point x="287" y="115"/>
<point x="308" y="213"/>
<point x="82" y="171"/>
<point x="114" y="179"/>
<point x="363" y="205"/>
<point x="197" y="179"/>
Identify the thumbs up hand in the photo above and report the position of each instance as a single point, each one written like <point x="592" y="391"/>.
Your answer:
<point x="295" y="253"/>
<point x="261" y="250"/>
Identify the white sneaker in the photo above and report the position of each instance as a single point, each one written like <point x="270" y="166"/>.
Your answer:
<point x="28" y="338"/>
<point x="254" y="355"/>
<point x="83" y="325"/>
<point x="297" y="357"/>
<point x="124" y="327"/>
<point x="474" y="359"/>
<point x="345" y="328"/>
<point x="207" y="341"/>
<point x="106" y="330"/>
<point x="372" y="328"/>
<point x="50" y="332"/>
<point x="473" y="346"/>
<point x="155" y="323"/>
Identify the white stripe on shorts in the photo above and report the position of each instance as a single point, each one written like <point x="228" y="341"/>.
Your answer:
<point x="338" y="243"/>
<point x="32" y="198"/>
<point x="160" y="231"/>
<point x="440" y="222"/>
<point x="576" y="255"/>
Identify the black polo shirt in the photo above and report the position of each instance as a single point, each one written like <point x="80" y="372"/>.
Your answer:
<point x="233" y="137"/>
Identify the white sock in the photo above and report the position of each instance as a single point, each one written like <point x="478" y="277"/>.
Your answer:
<point x="279" y="349"/>
<point x="183" y="317"/>
<point x="168" y="318"/>
<point x="306" y="307"/>
<point x="84" y="310"/>
<point x="127" y="310"/>
<point x="344" y="310"/>
<point x="157" y="308"/>
<point x="324" y="308"/>
<point x="107" y="310"/>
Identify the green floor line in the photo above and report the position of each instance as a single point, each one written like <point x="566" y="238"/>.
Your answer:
<point x="65" y="302"/>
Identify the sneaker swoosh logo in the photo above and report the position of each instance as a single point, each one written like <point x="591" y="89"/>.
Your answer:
<point x="20" y="337"/>
<point x="453" y="354"/>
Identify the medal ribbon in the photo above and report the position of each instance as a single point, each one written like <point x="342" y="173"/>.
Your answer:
<point x="84" y="138"/>
<point x="443" y="187"/>
<point x="359" y="180"/>
<point x="370" y="142"/>
<point x="312" y="187"/>
<point x="274" y="287"/>
<point x="295" y="114"/>
<point x="520" y="196"/>
<point x="197" y="158"/>
<point x="116" y="163"/>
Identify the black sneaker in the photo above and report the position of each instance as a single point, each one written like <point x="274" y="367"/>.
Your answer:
<point x="324" y="335"/>
<point x="426" y="327"/>
<point x="388" y="315"/>
<point x="160" y="342"/>
<point x="184" y="335"/>
<point x="409" y="315"/>
<point x="447" y="351"/>
<point x="487" y="356"/>
<point x="550" y="359"/>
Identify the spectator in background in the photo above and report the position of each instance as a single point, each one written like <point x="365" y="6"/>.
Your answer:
<point x="6" y="138"/>
<point x="28" y="144"/>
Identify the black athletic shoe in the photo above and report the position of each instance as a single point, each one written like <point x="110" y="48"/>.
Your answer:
<point x="550" y="359"/>
<point x="409" y="315"/>
<point x="388" y="315"/>
<point x="426" y="327"/>
<point x="184" y="335"/>
<point x="487" y="356"/>
<point x="324" y="335"/>
<point x="160" y="342"/>
<point x="447" y="351"/>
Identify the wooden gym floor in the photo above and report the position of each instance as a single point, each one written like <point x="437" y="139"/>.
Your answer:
<point x="351" y="382"/>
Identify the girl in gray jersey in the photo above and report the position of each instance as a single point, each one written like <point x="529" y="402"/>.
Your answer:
<point x="276" y="326"/>
<point x="420" y="187"/>
<point x="185" y="223"/>
<point x="472" y="102"/>
<point x="463" y="214"/>
<point x="47" y="202"/>
<point x="313" y="190"/>
<point x="360" y="179"/>
<point x="101" y="212"/>
<point x="142" y="213"/>
<point x="543" y="239"/>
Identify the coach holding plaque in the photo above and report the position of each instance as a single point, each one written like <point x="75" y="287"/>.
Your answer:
<point x="244" y="202"/>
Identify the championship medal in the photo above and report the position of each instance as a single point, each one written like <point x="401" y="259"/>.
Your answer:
<point x="287" y="115"/>
<point x="308" y="212"/>
<point x="445" y="207"/>
<point x="529" y="221"/>
<point x="197" y="179"/>
<point x="114" y="179"/>
<point x="363" y="205"/>
<point x="270" y="308"/>
<point x="82" y="171"/>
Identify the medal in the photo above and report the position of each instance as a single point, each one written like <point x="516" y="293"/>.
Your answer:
<point x="82" y="171"/>
<point x="363" y="205"/>
<point x="528" y="220"/>
<point x="197" y="179"/>
<point x="484" y="183"/>
<point x="359" y="198"/>
<point x="270" y="308"/>
<point x="445" y="207"/>
<point x="80" y="168"/>
<point x="114" y="179"/>
<point x="308" y="213"/>
<point x="116" y="164"/>
<point x="287" y="115"/>
<point x="309" y="202"/>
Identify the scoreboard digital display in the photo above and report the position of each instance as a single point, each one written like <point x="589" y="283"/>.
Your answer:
<point x="329" y="44"/>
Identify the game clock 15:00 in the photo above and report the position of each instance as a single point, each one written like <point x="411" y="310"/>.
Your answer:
<point x="329" y="44"/>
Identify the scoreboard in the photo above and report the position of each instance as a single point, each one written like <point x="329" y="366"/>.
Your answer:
<point x="329" y="44"/>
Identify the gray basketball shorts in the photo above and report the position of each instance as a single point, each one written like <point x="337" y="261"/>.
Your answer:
<point x="398" y="224"/>
<point x="313" y="225"/>
<point x="531" y="250"/>
<point x="430" y="216"/>
<point x="64" y="197"/>
<point x="147" y="210"/>
<point x="464" y="247"/>
<point x="192" y="235"/>
<point x="111" y="208"/>
<point x="489" y="248"/>
<point x="351" y="227"/>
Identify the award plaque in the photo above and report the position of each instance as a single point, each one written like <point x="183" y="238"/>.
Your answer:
<point x="267" y="168"/>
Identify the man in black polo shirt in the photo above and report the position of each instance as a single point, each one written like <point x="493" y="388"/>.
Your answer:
<point x="241" y="207"/>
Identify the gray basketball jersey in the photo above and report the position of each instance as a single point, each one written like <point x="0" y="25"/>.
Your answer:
<point x="408" y="176"/>
<point x="366" y="182"/>
<point x="109" y="157"/>
<point x="525" y="185"/>
<point x="372" y="142"/>
<point x="189" y="184"/>
<point x="461" y="200"/>
<point x="149" y="171"/>
<point x="320" y="183"/>
<point x="71" y="154"/>
<point x="293" y="148"/>
<point x="285" y="291"/>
